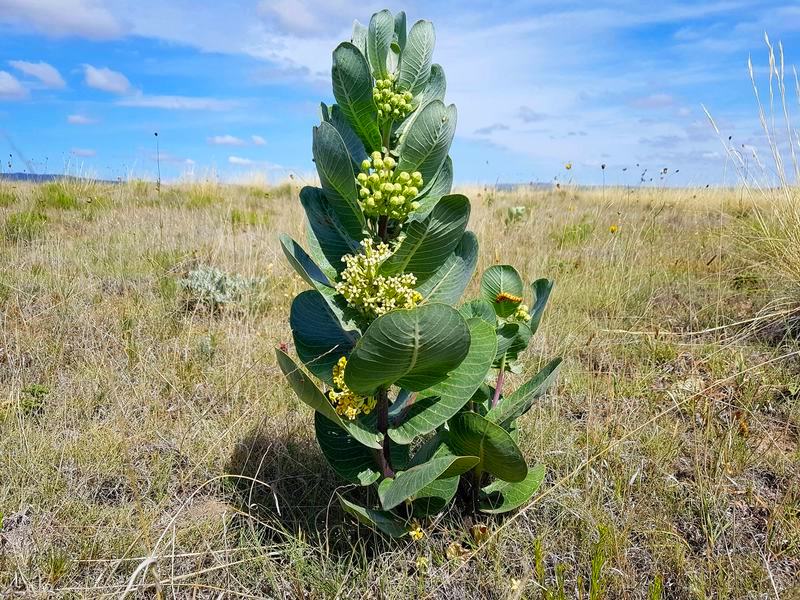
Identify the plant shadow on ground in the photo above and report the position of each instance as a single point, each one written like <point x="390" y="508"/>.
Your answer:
<point x="281" y="480"/>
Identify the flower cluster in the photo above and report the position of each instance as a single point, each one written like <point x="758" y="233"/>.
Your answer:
<point x="416" y="532"/>
<point x="346" y="403"/>
<point x="384" y="192"/>
<point x="371" y="293"/>
<point x="521" y="314"/>
<point x="392" y="105"/>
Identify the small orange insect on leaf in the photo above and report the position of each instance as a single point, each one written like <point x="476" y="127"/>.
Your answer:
<point x="506" y="297"/>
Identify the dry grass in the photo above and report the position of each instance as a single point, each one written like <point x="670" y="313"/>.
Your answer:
<point x="144" y="443"/>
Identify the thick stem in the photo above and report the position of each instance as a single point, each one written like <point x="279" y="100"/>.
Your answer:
<point x="383" y="222"/>
<point x="501" y="376"/>
<point x="385" y="455"/>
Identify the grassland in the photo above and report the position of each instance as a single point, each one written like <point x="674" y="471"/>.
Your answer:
<point x="146" y="439"/>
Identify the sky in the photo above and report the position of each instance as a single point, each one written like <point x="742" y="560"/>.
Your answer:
<point x="233" y="87"/>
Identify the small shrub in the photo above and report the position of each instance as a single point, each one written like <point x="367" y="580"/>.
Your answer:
<point x="248" y="218"/>
<point x="573" y="234"/>
<point x="24" y="226"/>
<point x="516" y="214"/>
<point x="57" y="196"/>
<point x="32" y="400"/>
<point x="211" y="288"/>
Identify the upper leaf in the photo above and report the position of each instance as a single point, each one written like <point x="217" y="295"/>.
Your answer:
<point x="302" y="263"/>
<point x="413" y="348"/>
<point x="424" y="146"/>
<point x="352" y="88"/>
<point x="499" y="284"/>
<point x="429" y="243"/>
<point x="335" y="168"/>
<point x="440" y="187"/>
<point x="415" y="62"/>
<point x="400" y="30"/>
<point x="355" y="147"/>
<point x="359" y="37"/>
<point x="379" y="39"/>
<point x="451" y="279"/>
<point x="541" y="289"/>
<point x="479" y="308"/>
<point x="332" y="236"/>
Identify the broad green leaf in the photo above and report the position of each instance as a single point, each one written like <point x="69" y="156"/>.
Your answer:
<point x="333" y="238"/>
<point x="382" y="520"/>
<point x="301" y="262"/>
<point x="479" y="308"/>
<point x="415" y="62"/>
<point x="347" y="456"/>
<point x="541" y="289"/>
<point x="425" y="144"/>
<point x="406" y="484"/>
<point x="434" y="497"/>
<point x="359" y="37"/>
<point x="318" y="337"/>
<point x="355" y="147"/>
<point x="317" y="255"/>
<point x="472" y="435"/>
<point x="307" y="391"/>
<point x="379" y="38"/>
<point x="443" y="400"/>
<point x="501" y="496"/>
<point x="412" y="348"/>
<point x="440" y="187"/>
<point x="400" y="29"/>
<point x="520" y="400"/>
<point x="335" y="168"/>
<point x="435" y="88"/>
<point x="502" y="279"/>
<point x="352" y="88"/>
<point x="429" y="243"/>
<point x="449" y="282"/>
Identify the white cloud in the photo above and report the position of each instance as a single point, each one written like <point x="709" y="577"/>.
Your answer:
<point x="238" y="160"/>
<point x="226" y="140"/>
<point x="653" y="101"/>
<point x="258" y="140"/>
<point x="86" y="18"/>
<point x="178" y="102"/>
<point x="10" y="87"/>
<point x="80" y="120"/>
<point x="83" y="152"/>
<point x="44" y="72"/>
<point x="102" y="78"/>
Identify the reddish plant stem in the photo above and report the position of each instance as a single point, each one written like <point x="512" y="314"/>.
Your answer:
<point x="501" y="376"/>
<point x="385" y="455"/>
<point x="383" y="223"/>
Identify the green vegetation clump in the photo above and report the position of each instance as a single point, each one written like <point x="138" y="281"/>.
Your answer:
<point x="24" y="226"/>
<point x="214" y="289"/>
<point x="57" y="195"/>
<point x="7" y="197"/>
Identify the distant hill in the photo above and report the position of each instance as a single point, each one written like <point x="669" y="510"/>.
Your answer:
<point x="30" y="177"/>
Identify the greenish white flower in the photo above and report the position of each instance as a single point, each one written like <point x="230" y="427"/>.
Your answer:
<point x="392" y="105"/>
<point x="369" y="292"/>
<point x="385" y="192"/>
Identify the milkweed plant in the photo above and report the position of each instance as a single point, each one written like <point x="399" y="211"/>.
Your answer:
<point x="407" y="384"/>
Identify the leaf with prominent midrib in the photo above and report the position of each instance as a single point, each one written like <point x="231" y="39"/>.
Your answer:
<point x="406" y="484"/>
<point x="472" y="435"/>
<point x="302" y="263"/>
<point x="318" y="336"/>
<point x="479" y="308"/>
<point x="440" y="187"/>
<point x="502" y="496"/>
<point x="429" y="243"/>
<point x="379" y="37"/>
<point x="307" y="391"/>
<point x="443" y="400"/>
<point x="425" y="144"/>
<point x="413" y="348"/>
<point x="333" y="238"/>
<point x="352" y="88"/>
<point x="415" y="62"/>
<point x="335" y="168"/>
<point x="451" y="279"/>
<point x="541" y="289"/>
<point x="355" y="147"/>
<point x="520" y="400"/>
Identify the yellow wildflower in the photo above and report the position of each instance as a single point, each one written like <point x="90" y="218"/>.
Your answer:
<point x="345" y="402"/>
<point x="416" y="531"/>
<point x="613" y="229"/>
<point x="422" y="563"/>
<point x="455" y="550"/>
<point x="522" y="314"/>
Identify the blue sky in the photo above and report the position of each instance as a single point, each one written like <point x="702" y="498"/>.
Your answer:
<point x="233" y="87"/>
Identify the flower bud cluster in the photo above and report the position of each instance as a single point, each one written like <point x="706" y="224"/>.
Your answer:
<point x="345" y="402"/>
<point x="521" y="314"/>
<point x="369" y="292"/>
<point x="392" y="105"/>
<point x="383" y="192"/>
